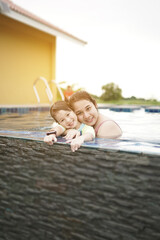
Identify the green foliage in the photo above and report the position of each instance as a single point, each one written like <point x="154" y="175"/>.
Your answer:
<point x="111" y="92"/>
<point x="131" y="101"/>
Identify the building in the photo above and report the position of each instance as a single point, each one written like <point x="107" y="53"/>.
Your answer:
<point x="27" y="51"/>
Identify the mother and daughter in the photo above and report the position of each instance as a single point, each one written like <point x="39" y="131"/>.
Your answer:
<point x="79" y="120"/>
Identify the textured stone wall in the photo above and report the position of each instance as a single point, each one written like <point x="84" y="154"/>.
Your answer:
<point x="48" y="192"/>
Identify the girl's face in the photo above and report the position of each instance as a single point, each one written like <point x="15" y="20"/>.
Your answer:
<point x="86" y="112"/>
<point x="67" y="119"/>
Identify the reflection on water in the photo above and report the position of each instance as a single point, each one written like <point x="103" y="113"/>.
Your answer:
<point x="137" y="125"/>
<point x="36" y="121"/>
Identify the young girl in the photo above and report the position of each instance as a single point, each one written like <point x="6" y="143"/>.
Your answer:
<point x="77" y="133"/>
<point x="85" y="108"/>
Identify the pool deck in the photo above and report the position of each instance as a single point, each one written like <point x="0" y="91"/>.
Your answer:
<point x="45" y="107"/>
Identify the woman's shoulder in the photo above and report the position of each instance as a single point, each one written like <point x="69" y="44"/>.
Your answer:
<point x="107" y="128"/>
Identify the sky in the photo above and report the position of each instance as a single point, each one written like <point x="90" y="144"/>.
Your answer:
<point x="123" y="43"/>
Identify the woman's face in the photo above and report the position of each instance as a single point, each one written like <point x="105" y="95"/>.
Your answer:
<point x="86" y="112"/>
<point x="67" y="119"/>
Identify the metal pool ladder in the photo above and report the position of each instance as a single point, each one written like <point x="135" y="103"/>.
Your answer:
<point x="59" y="89"/>
<point x="48" y="90"/>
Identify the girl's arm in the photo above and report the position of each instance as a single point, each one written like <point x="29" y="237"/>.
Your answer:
<point x="52" y="135"/>
<point x="78" y="141"/>
<point x="71" y="133"/>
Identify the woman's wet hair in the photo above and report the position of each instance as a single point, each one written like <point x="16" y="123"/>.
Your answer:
<point x="81" y="95"/>
<point x="57" y="106"/>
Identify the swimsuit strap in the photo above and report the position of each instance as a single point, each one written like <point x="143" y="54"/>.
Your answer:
<point x="97" y="128"/>
<point x="81" y="127"/>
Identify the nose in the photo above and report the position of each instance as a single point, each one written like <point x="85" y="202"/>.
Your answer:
<point x="67" y="119"/>
<point x="85" y="115"/>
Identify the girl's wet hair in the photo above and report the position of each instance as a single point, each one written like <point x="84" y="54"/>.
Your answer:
<point x="57" y="106"/>
<point x="81" y="95"/>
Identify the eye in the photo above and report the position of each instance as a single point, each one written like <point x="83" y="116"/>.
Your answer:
<point x="88" y="108"/>
<point x="68" y="114"/>
<point x="79" y="113"/>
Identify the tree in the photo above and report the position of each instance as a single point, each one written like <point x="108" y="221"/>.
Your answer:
<point x="111" y="92"/>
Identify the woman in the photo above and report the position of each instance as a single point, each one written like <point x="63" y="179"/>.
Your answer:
<point x="86" y="110"/>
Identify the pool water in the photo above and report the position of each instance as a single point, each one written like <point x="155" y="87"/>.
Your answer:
<point x="137" y="125"/>
<point x="141" y="130"/>
<point x="34" y="121"/>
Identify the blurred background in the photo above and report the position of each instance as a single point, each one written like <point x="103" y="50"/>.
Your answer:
<point x="122" y="50"/>
<point x="123" y="43"/>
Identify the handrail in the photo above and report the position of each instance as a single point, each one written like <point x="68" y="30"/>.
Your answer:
<point x="48" y="90"/>
<point x="59" y="89"/>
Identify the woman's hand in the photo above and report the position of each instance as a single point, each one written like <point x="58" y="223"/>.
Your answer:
<point x="76" y="143"/>
<point x="50" y="139"/>
<point x="72" y="133"/>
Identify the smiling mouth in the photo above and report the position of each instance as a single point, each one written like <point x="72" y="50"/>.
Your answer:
<point x="89" y="120"/>
<point x="71" y="124"/>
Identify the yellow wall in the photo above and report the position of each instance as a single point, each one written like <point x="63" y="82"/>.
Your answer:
<point x="25" y="54"/>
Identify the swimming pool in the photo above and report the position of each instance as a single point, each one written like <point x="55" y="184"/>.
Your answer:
<point x="108" y="189"/>
<point x="136" y="125"/>
<point x="141" y="130"/>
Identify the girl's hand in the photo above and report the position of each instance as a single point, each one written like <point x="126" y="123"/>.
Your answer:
<point x="72" y="133"/>
<point x="76" y="143"/>
<point x="50" y="139"/>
